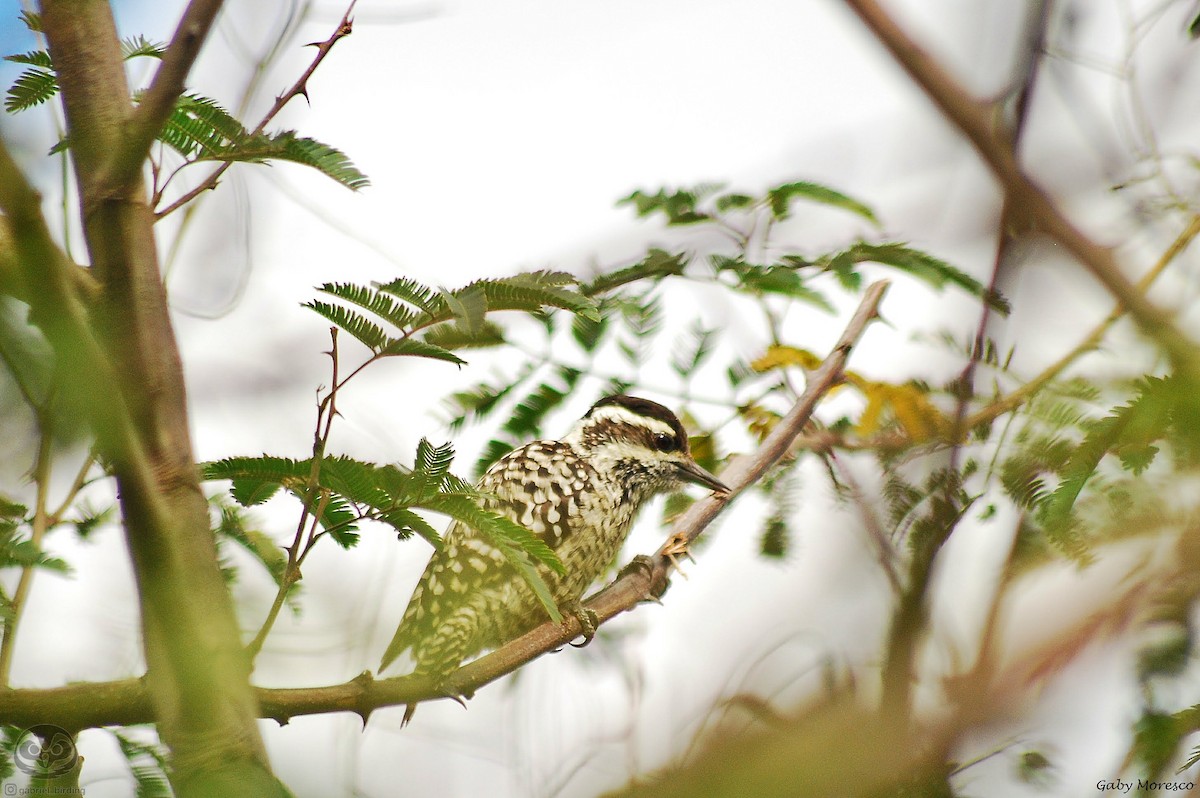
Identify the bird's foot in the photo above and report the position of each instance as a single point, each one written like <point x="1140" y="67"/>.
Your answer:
<point x="588" y="621"/>
<point x="676" y="547"/>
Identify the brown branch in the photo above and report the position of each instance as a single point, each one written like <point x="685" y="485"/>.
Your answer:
<point x="976" y="119"/>
<point x="299" y="88"/>
<point x="82" y="706"/>
<point x="159" y="100"/>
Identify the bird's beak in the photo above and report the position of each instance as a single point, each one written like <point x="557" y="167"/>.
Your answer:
<point x="689" y="471"/>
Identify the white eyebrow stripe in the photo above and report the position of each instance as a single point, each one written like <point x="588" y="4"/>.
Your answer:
<point x="622" y="415"/>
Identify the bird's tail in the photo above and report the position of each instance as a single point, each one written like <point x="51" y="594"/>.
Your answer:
<point x="406" y="633"/>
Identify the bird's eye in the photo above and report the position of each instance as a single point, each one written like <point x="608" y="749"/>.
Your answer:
<point x="664" y="442"/>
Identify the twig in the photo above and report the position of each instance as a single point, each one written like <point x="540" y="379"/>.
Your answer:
<point x="41" y="477"/>
<point x="43" y="521"/>
<point x="76" y="486"/>
<point x="885" y="552"/>
<point x="908" y="621"/>
<point x="326" y="410"/>
<point x="299" y="88"/>
<point x="1011" y="221"/>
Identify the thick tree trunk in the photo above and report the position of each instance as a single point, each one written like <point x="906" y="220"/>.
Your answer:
<point x="198" y="674"/>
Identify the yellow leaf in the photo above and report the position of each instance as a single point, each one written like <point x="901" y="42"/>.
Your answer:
<point x="759" y="420"/>
<point x="909" y="406"/>
<point x="877" y="400"/>
<point x="781" y="356"/>
<point x="919" y="417"/>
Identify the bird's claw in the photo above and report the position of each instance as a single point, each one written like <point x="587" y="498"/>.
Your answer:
<point x="676" y="547"/>
<point x="588" y="621"/>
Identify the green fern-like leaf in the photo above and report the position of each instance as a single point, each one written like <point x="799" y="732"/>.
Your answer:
<point x="148" y="765"/>
<point x="1129" y="432"/>
<point x="900" y="495"/>
<point x="370" y="334"/>
<point x="920" y="265"/>
<point x="450" y="335"/>
<point x="588" y="333"/>
<point x="693" y="350"/>
<point x="141" y="47"/>
<point x="349" y="490"/>
<point x="249" y="492"/>
<point x="520" y="547"/>
<point x="497" y="528"/>
<point x="11" y="510"/>
<point x="643" y="319"/>
<point x="781" y="197"/>
<point x="255" y="474"/>
<point x="1023" y="480"/>
<point x="412" y="347"/>
<point x="327" y="160"/>
<point x="493" y="451"/>
<point x="425" y="298"/>
<point x="340" y="521"/>
<point x="1156" y="738"/>
<point x="531" y="291"/>
<point x="10" y="738"/>
<point x="89" y="519"/>
<point x="382" y="305"/>
<point x="407" y="523"/>
<point x="734" y="202"/>
<point x="527" y="417"/>
<point x="468" y="306"/>
<point x="287" y="146"/>
<point x="679" y="207"/>
<point x="433" y="461"/>
<point x="37" y="58"/>
<point x="476" y="403"/>
<point x="357" y="480"/>
<point x="31" y="20"/>
<point x="657" y="265"/>
<point x="32" y="87"/>
<point x="776" y="278"/>
<point x="232" y="524"/>
<point x="18" y="551"/>
<point x="500" y="529"/>
<point x="199" y="127"/>
<point x="776" y="538"/>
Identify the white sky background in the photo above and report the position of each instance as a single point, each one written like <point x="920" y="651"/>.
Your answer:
<point x="498" y="136"/>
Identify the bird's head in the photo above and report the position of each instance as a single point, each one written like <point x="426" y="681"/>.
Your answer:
<point x="642" y="442"/>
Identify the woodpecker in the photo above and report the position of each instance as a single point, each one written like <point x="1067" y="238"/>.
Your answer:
<point x="580" y="496"/>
